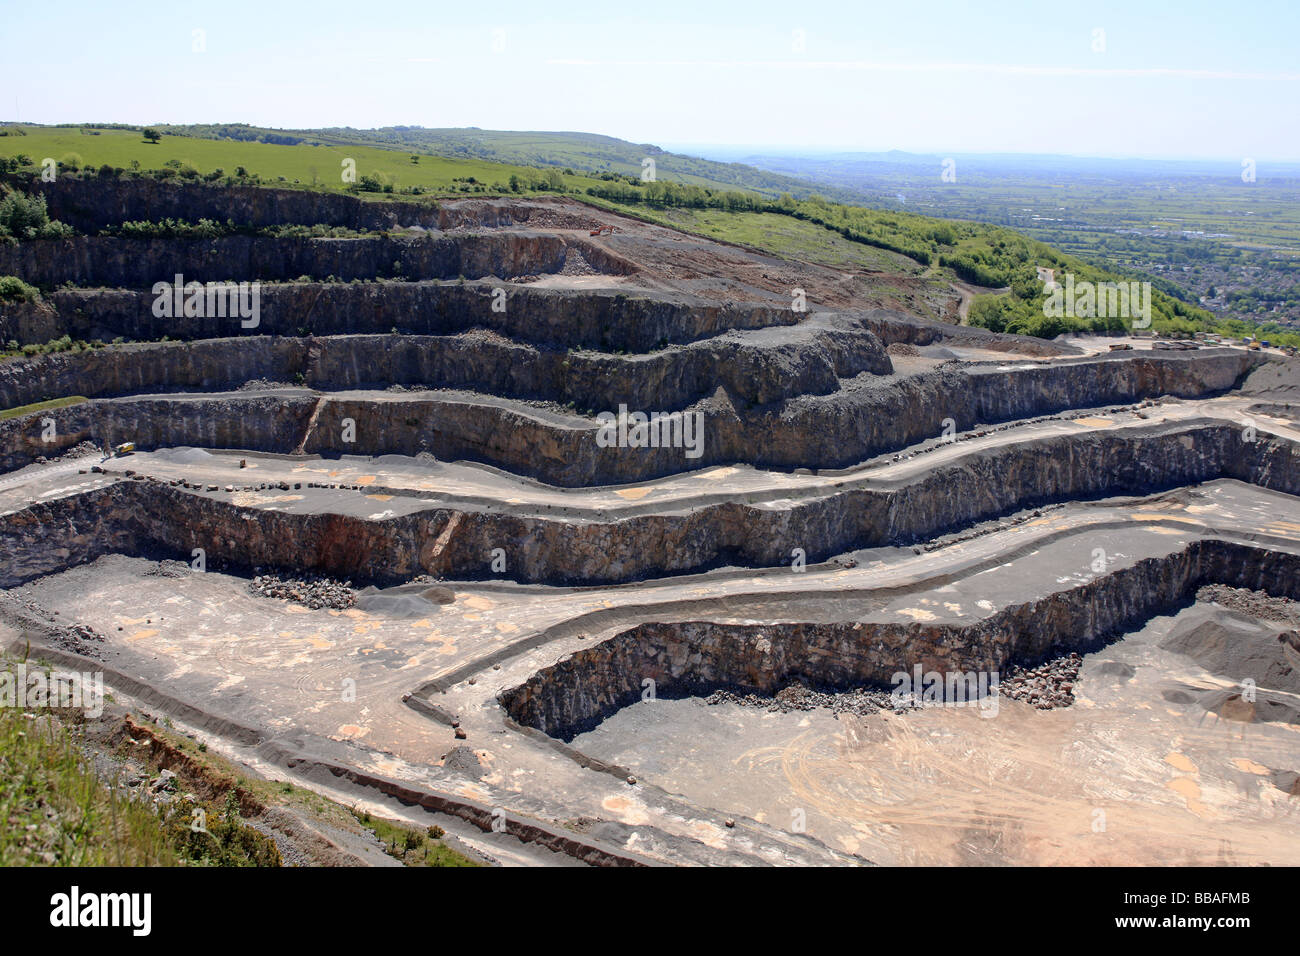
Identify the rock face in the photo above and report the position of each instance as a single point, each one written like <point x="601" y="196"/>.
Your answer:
<point x="269" y="424"/>
<point x="754" y="367"/>
<point x="139" y="263"/>
<point x="92" y="205"/>
<point x="696" y="658"/>
<point x="601" y="319"/>
<point x="147" y="517"/>
<point x="867" y="416"/>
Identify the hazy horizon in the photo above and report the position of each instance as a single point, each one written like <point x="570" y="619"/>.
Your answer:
<point x="1117" y="80"/>
<point x="718" y="150"/>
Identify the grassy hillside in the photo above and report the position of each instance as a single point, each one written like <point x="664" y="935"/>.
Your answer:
<point x="788" y="237"/>
<point x="581" y="152"/>
<point x="297" y="165"/>
<point x="984" y="255"/>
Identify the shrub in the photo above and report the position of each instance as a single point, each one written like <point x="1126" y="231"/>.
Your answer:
<point x="14" y="289"/>
<point x="171" y="229"/>
<point x="26" y="217"/>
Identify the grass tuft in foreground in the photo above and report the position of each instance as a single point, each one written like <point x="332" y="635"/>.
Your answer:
<point x="57" y="811"/>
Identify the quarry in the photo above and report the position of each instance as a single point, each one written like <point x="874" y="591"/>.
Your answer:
<point x="595" y="542"/>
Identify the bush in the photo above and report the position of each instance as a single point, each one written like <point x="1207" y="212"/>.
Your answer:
<point x="14" y="289"/>
<point x="25" y="217"/>
<point x="171" y="229"/>
<point x="225" y="840"/>
<point x="988" y="312"/>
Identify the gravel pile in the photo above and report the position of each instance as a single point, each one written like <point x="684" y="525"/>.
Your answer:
<point x="464" y="761"/>
<point x="902" y="348"/>
<point x="576" y="264"/>
<point x="1047" y="686"/>
<point x="80" y="450"/>
<point x="315" y="592"/>
<point x="261" y="384"/>
<point x="1258" y="604"/>
<point x="29" y="615"/>
<point x="797" y="697"/>
<point x="78" y="638"/>
<point x="168" y="569"/>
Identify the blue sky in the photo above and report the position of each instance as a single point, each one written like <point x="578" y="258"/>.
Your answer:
<point x="1177" y="80"/>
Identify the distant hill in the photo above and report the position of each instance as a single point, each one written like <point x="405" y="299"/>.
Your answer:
<point x="581" y="152"/>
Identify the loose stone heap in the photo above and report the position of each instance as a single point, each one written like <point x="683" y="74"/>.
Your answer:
<point x="315" y="592"/>
<point x="1047" y="686"/>
<point x="1254" y="603"/>
<point x="799" y="697"/>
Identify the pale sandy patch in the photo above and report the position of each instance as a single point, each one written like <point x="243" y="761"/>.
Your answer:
<point x="917" y="613"/>
<point x="633" y="494"/>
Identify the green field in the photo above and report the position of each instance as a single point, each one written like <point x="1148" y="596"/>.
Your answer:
<point x="300" y="165"/>
<point x="582" y="152"/>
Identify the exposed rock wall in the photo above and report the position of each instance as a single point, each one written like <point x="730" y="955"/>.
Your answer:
<point x="92" y="205"/>
<point x="150" y="515"/>
<point x="814" y="431"/>
<point x="139" y="263"/>
<point x="752" y="368"/>
<point x="256" y="423"/>
<point x="95" y="204"/>
<point x="695" y="658"/>
<point x="596" y="319"/>
<point x="891" y="326"/>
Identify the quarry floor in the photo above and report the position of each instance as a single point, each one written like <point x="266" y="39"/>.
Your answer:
<point x="1133" y="773"/>
<point x="1175" y="784"/>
